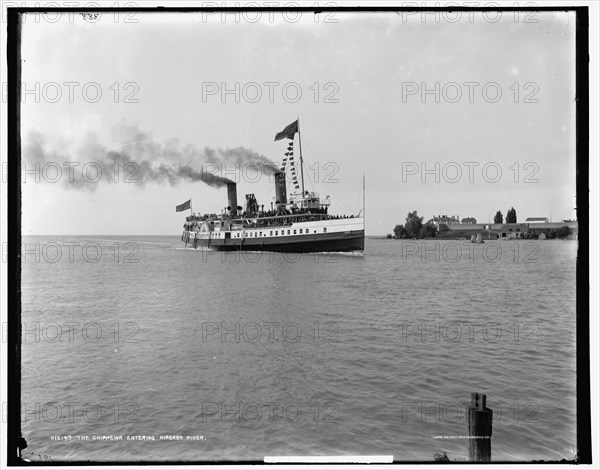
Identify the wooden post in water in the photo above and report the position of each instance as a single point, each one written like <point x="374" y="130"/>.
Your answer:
<point x="479" y="429"/>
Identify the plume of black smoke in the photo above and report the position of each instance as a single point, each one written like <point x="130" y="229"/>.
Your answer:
<point x="139" y="159"/>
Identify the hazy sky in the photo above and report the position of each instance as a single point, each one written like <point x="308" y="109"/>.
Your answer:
<point x="361" y="111"/>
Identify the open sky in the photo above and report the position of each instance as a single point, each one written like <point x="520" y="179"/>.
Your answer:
<point x="495" y="129"/>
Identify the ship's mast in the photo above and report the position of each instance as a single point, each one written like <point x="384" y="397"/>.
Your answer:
<point x="363" y="211"/>
<point x="301" y="165"/>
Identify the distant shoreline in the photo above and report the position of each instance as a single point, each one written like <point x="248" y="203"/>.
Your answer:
<point x="377" y="237"/>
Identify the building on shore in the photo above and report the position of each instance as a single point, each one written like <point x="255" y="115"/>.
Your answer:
<point x="505" y="231"/>
<point x="452" y="227"/>
<point x="444" y="219"/>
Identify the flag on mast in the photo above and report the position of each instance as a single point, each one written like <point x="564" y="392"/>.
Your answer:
<point x="184" y="207"/>
<point x="288" y="132"/>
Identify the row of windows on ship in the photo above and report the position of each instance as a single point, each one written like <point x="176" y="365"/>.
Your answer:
<point x="271" y="232"/>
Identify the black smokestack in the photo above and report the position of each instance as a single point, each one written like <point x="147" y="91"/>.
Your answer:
<point x="280" y="189"/>
<point x="232" y="198"/>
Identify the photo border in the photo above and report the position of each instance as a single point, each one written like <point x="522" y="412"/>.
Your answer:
<point x="14" y="234"/>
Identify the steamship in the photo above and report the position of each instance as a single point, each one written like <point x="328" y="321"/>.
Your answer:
<point x="300" y="223"/>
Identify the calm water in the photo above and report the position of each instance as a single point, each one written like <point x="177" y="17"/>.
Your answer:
<point x="322" y="355"/>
